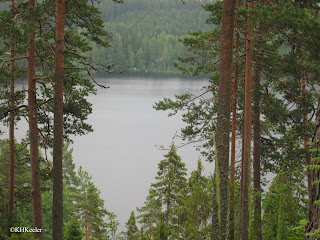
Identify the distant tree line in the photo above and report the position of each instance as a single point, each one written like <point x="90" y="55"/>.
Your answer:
<point x="145" y="34"/>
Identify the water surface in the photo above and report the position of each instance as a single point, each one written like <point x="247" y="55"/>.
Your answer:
<point x="121" y="153"/>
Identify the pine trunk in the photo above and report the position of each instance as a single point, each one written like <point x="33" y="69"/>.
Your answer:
<point x="256" y="158"/>
<point x="306" y="133"/>
<point x="57" y="209"/>
<point x="224" y="111"/>
<point x="233" y="137"/>
<point x="244" y="219"/>
<point x="11" y="130"/>
<point x="33" y="129"/>
<point x="215" y="222"/>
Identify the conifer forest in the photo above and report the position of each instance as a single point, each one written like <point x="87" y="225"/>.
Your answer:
<point x="253" y="118"/>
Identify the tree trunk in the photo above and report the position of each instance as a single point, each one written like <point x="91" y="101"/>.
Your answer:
<point x="233" y="137"/>
<point x="11" y="130"/>
<point x="244" y="219"/>
<point x="306" y="133"/>
<point x="224" y="110"/>
<point x="57" y="209"/>
<point x="150" y="229"/>
<point x="33" y="129"/>
<point x="256" y="158"/>
<point x="215" y="223"/>
<point x="314" y="210"/>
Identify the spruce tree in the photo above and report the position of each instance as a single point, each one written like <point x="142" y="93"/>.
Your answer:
<point x="73" y="230"/>
<point x="170" y="187"/>
<point x="90" y="207"/>
<point x="150" y="213"/>
<point x="198" y="205"/>
<point x="132" y="229"/>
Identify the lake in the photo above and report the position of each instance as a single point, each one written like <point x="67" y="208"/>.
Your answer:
<point x="122" y="153"/>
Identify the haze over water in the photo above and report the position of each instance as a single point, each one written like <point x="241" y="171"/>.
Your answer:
<point x="121" y="153"/>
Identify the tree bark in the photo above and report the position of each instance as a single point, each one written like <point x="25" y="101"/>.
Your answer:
<point x="57" y="209"/>
<point x="244" y="219"/>
<point x="11" y="130"/>
<point x="256" y="158"/>
<point x="306" y="133"/>
<point x="224" y="111"/>
<point x="33" y="128"/>
<point x="215" y="224"/>
<point x="233" y="135"/>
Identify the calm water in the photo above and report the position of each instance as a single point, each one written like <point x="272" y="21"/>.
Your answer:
<point x="121" y="154"/>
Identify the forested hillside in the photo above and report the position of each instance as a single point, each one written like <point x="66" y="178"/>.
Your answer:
<point x="145" y="34"/>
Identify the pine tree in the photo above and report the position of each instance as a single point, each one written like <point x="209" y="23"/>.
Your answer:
<point x="11" y="127"/>
<point x="57" y="209"/>
<point x="245" y="183"/>
<point x="223" y="117"/>
<point x="33" y="124"/>
<point x="234" y="129"/>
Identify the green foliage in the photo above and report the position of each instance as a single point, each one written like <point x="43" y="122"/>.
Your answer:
<point x="80" y="196"/>
<point x="169" y="188"/>
<point x="73" y="230"/>
<point x="84" y="27"/>
<point x="90" y="206"/>
<point x="23" y="210"/>
<point x="316" y="233"/>
<point x="150" y="213"/>
<point x="146" y="33"/>
<point x="283" y="209"/>
<point x="21" y="236"/>
<point x="132" y="230"/>
<point x="175" y="207"/>
<point x="198" y="205"/>
<point x="3" y="209"/>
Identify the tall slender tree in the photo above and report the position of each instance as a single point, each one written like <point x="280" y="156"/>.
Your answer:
<point x="11" y="125"/>
<point x="33" y="125"/>
<point x="256" y="157"/>
<point x="57" y="209"/>
<point x="233" y="132"/>
<point x="247" y="130"/>
<point x="224" y="111"/>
